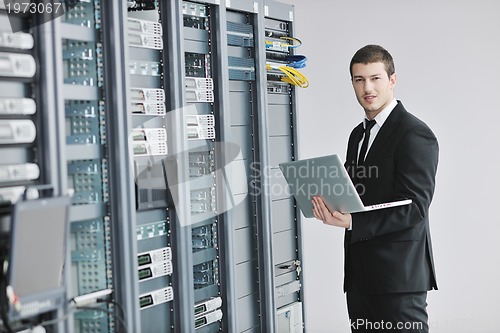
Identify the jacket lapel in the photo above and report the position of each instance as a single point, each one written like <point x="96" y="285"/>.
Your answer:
<point x="352" y="150"/>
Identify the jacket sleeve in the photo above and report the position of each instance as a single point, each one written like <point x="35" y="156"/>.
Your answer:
<point x="416" y="159"/>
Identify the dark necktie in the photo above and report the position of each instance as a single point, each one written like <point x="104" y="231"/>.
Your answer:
<point x="364" y="146"/>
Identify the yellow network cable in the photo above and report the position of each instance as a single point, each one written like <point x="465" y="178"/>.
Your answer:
<point x="287" y="44"/>
<point x="292" y="76"/>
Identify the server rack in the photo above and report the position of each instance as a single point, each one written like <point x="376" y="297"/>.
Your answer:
<point x="168" y="130"/>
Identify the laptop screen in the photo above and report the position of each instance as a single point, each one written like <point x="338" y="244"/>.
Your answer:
<point x="38" y="247"/>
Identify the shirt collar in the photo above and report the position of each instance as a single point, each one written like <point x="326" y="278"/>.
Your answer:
<point x="384" y="114"/>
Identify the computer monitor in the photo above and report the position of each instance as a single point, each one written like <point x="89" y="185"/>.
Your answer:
<point x="38" y="237"/>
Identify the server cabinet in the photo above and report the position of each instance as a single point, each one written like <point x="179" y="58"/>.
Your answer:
<point x="166" y="122"/>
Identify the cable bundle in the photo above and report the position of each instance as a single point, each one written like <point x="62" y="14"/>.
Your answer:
<point x="292" y="75"/>
<point x="296" y="61"/>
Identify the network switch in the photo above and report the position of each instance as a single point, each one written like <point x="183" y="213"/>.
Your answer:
<point x="147" y="95"/>
<point x="156" y="297"/>
<point x="146" y="108"/>
<point x="155" y="270"/>
<point x="207" y="319"/>
<point x="154" y="256"/>
<point x="199" y="96"/>
<point x="144" y="27"/>
<point x="145" y="41"/>
<point x="149" y="148"/>
<point x="207" y="306"/>
<point x="200" y="133"/>
<point x="199" y="83"/>
<point x="205" y="120"/>
<point x="149" y="134"/>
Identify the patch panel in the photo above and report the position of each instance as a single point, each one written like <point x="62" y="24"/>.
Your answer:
<point x="89" y="254"/>
<point x="276" y="56"/>
<point x="87" y="189"/>
<point x="80" y="63"/>
<point x="276" y="45"/>
<point x="78" y="108"/>
<point x="83" y="130"/>
<point x="82" y="14"/>
<point x="151" y="230"/>
<point x="85" y="178"/>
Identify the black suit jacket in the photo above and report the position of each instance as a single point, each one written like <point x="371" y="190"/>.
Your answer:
<point x="389" y="250"/>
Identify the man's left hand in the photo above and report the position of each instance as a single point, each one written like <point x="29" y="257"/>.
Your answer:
<point x="334" y="218"/>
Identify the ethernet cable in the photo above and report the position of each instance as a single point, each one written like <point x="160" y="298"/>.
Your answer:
<point x="296" y="61"/>
<point x="295" y="42"/>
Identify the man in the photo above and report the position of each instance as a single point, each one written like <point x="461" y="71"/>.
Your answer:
<point x="388" y="254"/>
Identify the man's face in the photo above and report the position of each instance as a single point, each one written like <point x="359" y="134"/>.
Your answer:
<point x="374" y="89"/>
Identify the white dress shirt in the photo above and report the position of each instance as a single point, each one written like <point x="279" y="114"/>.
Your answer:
<point x="379" y="119"/>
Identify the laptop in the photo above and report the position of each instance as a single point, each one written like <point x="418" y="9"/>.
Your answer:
<point x="326" y="177"/>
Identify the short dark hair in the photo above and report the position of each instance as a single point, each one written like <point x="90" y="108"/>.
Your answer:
<point x="373" y="53"/>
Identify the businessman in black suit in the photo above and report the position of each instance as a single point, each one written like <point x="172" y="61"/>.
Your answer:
<point x="392" y="155"/>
